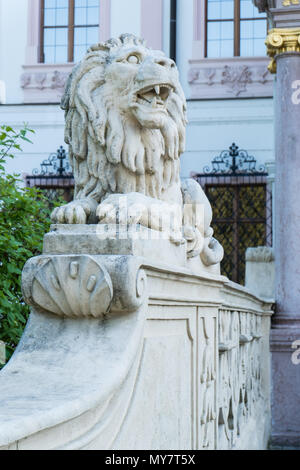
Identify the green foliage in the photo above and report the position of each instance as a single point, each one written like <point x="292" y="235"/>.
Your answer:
<point x="24" y="219"/>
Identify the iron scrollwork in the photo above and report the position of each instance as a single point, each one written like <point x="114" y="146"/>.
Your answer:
<point x="56" y="165"/>
<point x="234" y="161"/>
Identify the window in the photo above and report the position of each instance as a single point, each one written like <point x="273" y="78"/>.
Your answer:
<point x="68" y="28"/>
<point x="234" y="28"/>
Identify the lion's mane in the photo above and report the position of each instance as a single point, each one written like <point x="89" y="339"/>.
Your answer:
<point x="103" y="157"/>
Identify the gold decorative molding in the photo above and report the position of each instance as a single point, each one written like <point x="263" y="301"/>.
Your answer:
<point x="287" y="3"/>
<point x="280" y="40"/>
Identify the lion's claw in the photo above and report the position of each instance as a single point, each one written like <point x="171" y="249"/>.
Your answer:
<point x="76" y="212"/>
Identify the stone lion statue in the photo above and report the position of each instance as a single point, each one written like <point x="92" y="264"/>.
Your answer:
<point x="125" y="116"/>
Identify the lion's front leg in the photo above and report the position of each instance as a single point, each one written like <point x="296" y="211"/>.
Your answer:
<point x="136" y="208"/>
<point x="79" y="211"/>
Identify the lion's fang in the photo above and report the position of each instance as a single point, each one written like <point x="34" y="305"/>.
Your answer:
<point x="157" y="89"/>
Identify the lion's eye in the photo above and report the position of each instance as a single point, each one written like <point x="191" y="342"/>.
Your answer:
<point x="133" y="59"/>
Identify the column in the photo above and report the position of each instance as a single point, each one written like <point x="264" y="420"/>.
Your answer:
<point x="283" y="46"/>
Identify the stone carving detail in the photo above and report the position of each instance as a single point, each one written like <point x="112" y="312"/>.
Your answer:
<point x="40" y="79"/>
<point x="236" y="78"/>
<point x="207" y="384"/>
<point x="44" y="80"/>
<point x="25" y="80"/>
<point x="59" y="79"/>
<point x="209" y="74"/>
<point x="239" y="373"/>
<point x="262" y="73"/>
<point x="211" y="78"/>
<point x="84" y="285"/>
<point x="125" y="127"/>
<point x="72" y="286"/>
<point x="193" y="75"/>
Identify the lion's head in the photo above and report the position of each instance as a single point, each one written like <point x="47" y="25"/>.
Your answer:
<point x="125" y="120"/>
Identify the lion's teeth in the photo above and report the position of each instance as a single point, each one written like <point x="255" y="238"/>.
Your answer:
<point x="157" y="89"/>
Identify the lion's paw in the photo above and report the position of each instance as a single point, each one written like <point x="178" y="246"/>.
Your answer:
<point x="76" y="212"/>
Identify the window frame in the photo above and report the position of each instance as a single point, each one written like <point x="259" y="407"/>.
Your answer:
<point x="236" y="28"/>
<point x="71" y="30"/>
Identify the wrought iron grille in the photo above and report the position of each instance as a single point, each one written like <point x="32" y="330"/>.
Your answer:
<point x="242" y="206"/>
<point x="54" y="177"/>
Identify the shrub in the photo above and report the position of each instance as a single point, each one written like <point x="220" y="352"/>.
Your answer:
<point x="24" y="219"/>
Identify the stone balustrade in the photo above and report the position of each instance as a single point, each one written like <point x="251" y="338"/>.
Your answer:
<point x="138" y="353"/>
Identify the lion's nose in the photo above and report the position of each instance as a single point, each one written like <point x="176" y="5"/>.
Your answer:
<point x="165" y="62"/>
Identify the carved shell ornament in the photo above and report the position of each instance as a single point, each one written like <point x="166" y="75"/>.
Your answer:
<point x="71" y="286"/>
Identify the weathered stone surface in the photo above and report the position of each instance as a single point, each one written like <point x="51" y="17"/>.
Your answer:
<point x="260" y="271"/>
<point x="177" y="361"/>
<point x="135" y="340"/>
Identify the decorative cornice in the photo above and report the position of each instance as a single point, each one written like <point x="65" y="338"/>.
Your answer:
<point x="282" y="40"/>
<point x="230" y="78"/>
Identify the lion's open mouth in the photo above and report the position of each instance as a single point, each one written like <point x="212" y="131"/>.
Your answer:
<point x="154" y="96"/>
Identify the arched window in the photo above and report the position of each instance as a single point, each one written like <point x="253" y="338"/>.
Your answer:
<point x="234" y="28"/>
<point x="68" y="27"/>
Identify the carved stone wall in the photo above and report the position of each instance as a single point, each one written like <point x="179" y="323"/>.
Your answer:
<point x="230" y="78"/>
<point x="43" y="83"/>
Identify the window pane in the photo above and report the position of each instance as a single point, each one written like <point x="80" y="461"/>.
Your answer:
<point x="259" y="47"/>
<point x="253" y="33"/>
<point x="92" y="35"/>
<point x="80" y="36"/>
<point x="220" y="48"/>
<point x="80" y="3"/>
<point x="249" y="11"/>
<point x="62" y="17"/>
<point x="246" y="48"/>
<point x="49" y="37"/>
<point x="50" y="4"/>
<point x="213" y="10"/>
<point x="80" y="16"/>
<point x="49" y="18"/>
<point x="62" y="3"/>
<point x="61" y="54"/>
<point x="213" y="48"/>
<point x="49" y="54"/>
<point x="93" y="16"/>
<point x="227" y="7"/>
<point x="260" y="29"/>
<point x="221" y="33"/>
<point x="87" y="3"/>
<point x="227" y="30"/>
<point x="226" y="48"/>
<point x="93" y="3"/>
<point x="56" y="38"/>
<point x="62" y="36"/>
<point x="220" y="9"/>
<point x="79" y="52"/>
